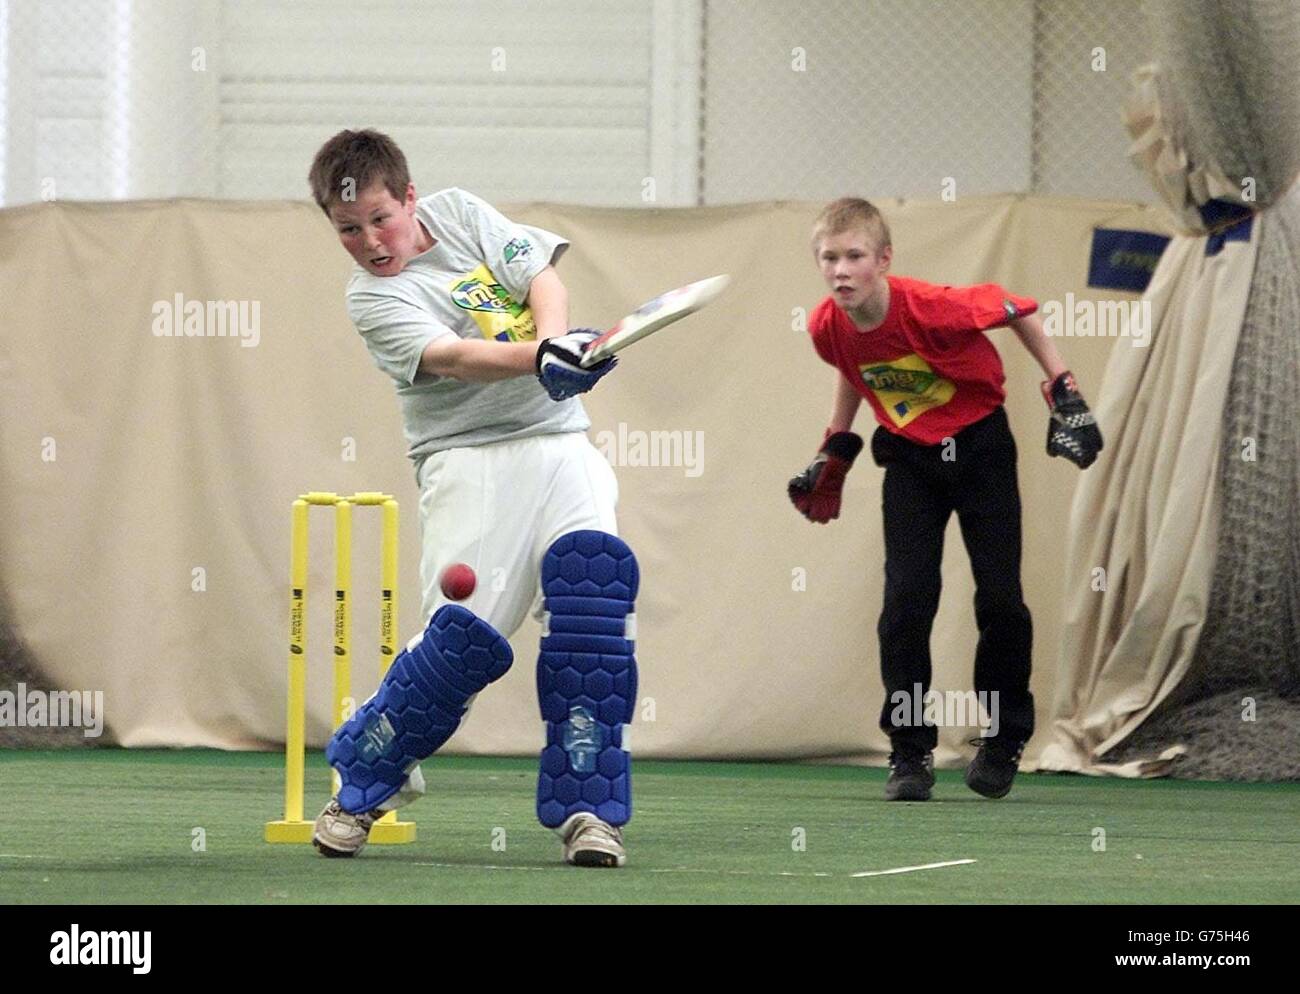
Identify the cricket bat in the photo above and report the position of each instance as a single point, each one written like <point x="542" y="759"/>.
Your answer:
<point x="653" y="315"/>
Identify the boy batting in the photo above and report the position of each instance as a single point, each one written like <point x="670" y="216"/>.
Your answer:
<point x="463" y="310"/>
<point x="917" y="353"/>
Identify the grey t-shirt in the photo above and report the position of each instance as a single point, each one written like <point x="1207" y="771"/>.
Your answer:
<point x="472" y="283"/>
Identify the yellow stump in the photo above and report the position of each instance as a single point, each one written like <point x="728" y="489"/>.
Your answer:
<point x="388" y="829"/>
<point x="343" y="704"/>
<point x="293" y="827"/>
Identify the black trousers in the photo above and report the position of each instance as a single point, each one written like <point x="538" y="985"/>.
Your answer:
<point x="922" y="488"/>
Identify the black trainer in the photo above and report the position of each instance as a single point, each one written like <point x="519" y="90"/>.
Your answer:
<point x="911" y="775"/>
<point x="994" y="767"/>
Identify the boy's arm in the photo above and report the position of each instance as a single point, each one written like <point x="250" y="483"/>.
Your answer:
<point x="478" y="360"/>
<point x="483" y="361"/>
<point x="555" y="357"/>
<point x="847" y="401"/>
<point x="1029" y="330"/>
<point x="1072" y="429"/>
<point x="548" y="299"/>
<point x="815" y="492"/>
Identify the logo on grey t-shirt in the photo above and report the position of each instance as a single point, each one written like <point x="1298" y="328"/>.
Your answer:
<point x="476" y="294"/>
<point x="517" y="248"/>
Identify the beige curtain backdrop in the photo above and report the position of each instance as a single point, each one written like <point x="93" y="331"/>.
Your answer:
<point x="1216" y="118"/>
<point x="1149" y="514"/>
<point x="148" y="478"/>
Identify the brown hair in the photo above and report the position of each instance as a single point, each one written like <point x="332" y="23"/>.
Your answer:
<point x="363" y="157"/>
<point x="851" y="212"/>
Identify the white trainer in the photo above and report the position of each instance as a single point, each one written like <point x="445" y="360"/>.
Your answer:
<point x="588" y="841"/>
<point x="338" y="833"/>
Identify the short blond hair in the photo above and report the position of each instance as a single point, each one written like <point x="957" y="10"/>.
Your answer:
<point x="851" y="212"/>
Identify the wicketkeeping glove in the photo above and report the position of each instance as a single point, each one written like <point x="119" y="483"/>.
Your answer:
<point x="816" y="491"/>
<point x="1071" y="430"/>
<point x="559" y="364"/>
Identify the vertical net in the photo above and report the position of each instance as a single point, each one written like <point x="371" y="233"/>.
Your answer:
<point x="1236" y="69"/>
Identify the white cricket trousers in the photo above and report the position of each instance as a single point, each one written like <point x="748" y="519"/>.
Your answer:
<point x="498" y="508"/>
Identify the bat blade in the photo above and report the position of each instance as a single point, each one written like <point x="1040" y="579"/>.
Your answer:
<point x="653" y="315"/>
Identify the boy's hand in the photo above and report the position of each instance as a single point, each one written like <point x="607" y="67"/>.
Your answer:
<point x="816" y="491"/>
<point x="558" y="364"/>
<point x="1072" y="430"/>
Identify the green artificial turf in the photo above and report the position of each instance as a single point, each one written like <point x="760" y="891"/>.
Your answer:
<point x="111" y="825"/>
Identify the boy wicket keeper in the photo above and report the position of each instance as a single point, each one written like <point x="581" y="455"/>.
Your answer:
<point x="918" y="354"/>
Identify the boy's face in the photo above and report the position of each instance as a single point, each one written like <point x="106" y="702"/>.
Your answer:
<point x="852" y="268"/>
<point x="379" y="231"/>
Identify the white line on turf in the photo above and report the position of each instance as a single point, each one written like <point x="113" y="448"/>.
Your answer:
<point x="687" y="869"/>
<point x="101" y="859"/>
<point x="910" y="869"/>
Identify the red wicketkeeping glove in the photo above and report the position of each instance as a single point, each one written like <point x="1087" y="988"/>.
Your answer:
<point x="816" y="491"/>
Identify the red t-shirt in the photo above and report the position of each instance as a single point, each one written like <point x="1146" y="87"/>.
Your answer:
<point x="928" y="370"/>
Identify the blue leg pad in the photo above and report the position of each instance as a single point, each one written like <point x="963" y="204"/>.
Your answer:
<point x="418" y="706"/>
<point x="586" y="678"/>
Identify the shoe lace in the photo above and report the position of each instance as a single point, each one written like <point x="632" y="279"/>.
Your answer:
<point x="365" y="819"/>
<point x="907" y="762"/>
<point x="599" y="830"/>
<point x="1010" y="752"/>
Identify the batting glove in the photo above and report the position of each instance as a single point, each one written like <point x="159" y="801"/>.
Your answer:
<point x="559" y="364"/>
<point x="1071" y="429"/>
<point x="816" y="491"/>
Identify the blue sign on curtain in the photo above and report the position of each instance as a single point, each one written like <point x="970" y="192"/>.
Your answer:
<point x="1124" y="260"/>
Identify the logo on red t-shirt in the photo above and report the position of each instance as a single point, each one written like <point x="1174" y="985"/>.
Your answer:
<point x="906" y="387"/>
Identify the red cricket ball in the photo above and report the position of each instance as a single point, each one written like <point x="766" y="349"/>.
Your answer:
<point x="458" y="581"/>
